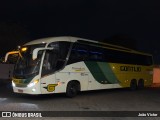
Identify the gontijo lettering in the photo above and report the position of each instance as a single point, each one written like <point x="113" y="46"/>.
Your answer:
<point x="130" y="68"/>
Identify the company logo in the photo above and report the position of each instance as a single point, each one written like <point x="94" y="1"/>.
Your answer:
<point x="6" y="114"/>
<point x="78" y="69"/>
<point x="130" y="68"/>
<point x="51" y="87"/>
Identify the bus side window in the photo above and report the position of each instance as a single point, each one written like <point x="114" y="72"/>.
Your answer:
<point x="78" y="53"/>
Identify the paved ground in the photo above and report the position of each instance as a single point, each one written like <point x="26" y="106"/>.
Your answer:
<point x="147" y="99"/>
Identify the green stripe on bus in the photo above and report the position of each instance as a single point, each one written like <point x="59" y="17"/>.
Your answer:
<point x="97" y="72"/>
<point x="107" y="72"/>
<point x="102" y="72"/>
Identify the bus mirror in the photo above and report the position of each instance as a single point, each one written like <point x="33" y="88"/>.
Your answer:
<point x="10" y="53"/>
<point x="36" y="50"/>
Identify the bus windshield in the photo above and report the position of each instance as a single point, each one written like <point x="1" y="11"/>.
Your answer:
<point x="27" y="67"/>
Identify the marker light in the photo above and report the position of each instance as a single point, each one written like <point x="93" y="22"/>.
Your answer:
<point x="24" y="49"/>
<point x="59" y="83"/>
<point x="19" y="46"/>
<point x="33" y="83"/>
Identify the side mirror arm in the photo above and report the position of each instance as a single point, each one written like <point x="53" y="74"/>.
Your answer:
<point x="36" y="50"/>
<point x="9" y="53"/>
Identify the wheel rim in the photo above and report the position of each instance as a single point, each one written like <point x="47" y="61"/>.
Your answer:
<point x="73" y="90"/>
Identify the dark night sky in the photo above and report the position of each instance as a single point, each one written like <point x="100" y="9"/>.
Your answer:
<point x="135" y="22"/>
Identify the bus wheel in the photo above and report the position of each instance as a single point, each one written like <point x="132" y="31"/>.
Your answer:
<point x="72" y="89"/>
<point x="133" y="84"/>
<point x="141" y="84"/>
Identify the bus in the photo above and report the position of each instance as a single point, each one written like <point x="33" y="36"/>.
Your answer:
<point x="71" y="64"/>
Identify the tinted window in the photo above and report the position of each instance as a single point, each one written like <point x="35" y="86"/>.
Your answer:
<point x="78" y="53"/>
<point x="83" y="52"/>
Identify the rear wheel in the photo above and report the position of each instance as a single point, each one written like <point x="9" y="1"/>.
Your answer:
<point x="141" y="84"/>
<point x="72" y="89"/>
<point x="133" y="84"/>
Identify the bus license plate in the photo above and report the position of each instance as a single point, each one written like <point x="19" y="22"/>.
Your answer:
<point x="20" y="91"/>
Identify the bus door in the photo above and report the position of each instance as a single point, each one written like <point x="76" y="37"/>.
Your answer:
<point x="48" y="77"/>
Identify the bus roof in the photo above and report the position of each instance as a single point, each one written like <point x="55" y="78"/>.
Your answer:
<point x="52" y="39"/>
<point x="87" y="41"/>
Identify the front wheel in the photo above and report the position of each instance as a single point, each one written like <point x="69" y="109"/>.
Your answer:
<point x="72" y="89"/>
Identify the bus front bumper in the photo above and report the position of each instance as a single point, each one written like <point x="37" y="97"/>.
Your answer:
<point x="26" y="90"/>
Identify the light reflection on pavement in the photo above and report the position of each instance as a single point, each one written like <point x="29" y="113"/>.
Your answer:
<point x="18" y="107"/>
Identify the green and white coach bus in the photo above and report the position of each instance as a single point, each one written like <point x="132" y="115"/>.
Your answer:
<point x="70" y="64"/>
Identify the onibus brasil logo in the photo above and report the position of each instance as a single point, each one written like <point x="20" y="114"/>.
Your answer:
<point x="21" y="114"/>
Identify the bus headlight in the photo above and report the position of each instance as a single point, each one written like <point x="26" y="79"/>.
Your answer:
<point x="33" y="83"/>
<point x="33" y="90"/>
<point x="13" y="84"/>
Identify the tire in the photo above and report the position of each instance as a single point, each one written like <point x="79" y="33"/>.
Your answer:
<point x="72" y="89"/>
<point x="133" y="85"/>
<point x="141" y="84"/>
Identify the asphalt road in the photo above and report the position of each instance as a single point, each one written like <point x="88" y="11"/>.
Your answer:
<point x="147" y="99"/>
